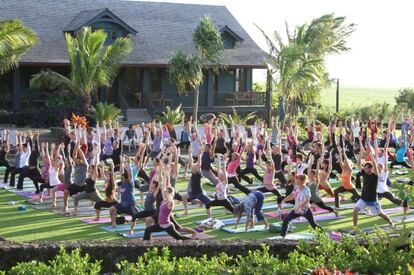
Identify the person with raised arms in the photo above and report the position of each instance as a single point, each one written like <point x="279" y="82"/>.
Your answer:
<point x="369" y="197"/>
<point x="302" y="197"/>
<point x="221" y="198"/>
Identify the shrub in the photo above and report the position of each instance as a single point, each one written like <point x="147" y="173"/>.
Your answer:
<point x="171" y="116"/>
<point x="378" y="253"/>
<point x="64" y="263"/>
<point x="106" y="112"/>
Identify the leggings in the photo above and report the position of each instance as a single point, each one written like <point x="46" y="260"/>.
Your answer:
<point x="341" y="189"/>
<point x="402" y="163"/>
<point x="170" y="230"/>
<point x="280" y="199"/>
<point x="265" y="190"/>
<point x="281" y="177"/>
<point x="322" y="205"/>
<point x="14" y="172"/>
<point x="390" y="196"/>
<point x="4" y="163"/>
<point x="259" y="205"/>
<point x="327" y="190"/>
<point x="237" y="184"/>
<point x="31" y="173"/>
<point x="226" y="203"/>
<point x="8" y="171"/>
<point x="93" y="196"/>
<point x="104" y="204"/>
<point x="249" y="170"/>
<point x="292" y="215"/>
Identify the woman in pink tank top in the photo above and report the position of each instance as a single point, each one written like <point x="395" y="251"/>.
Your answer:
<point x="268" y="178"/>
<point x="165" y="211"/>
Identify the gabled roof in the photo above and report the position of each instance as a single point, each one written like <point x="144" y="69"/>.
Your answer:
<point x="163" y="29"/>
<point x="88" y="17"/>
<point x="231" y="32"/>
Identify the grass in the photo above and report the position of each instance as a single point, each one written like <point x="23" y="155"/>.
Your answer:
<point x="35" y="224"/>
<point x="352" y="97"/>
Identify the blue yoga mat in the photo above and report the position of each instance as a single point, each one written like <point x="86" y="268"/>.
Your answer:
<point x="123" y="227"/>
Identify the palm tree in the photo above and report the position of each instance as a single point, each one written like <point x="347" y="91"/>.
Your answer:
<point x="15" y="40"/>
<point x="187" y="71"/>
<point x="92" y="65"/>
<point x="298" y="64"/>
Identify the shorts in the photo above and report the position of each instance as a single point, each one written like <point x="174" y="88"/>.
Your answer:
<point x="60" y="187"/>
<point x="375" y="208"/>
<point x="74" y="189"/>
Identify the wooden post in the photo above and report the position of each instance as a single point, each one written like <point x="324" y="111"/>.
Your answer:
<point x="16" y="89"/>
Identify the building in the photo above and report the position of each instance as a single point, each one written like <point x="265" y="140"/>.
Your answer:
<point x="157" y="30"/>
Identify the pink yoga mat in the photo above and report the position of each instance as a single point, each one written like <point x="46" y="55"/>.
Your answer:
<point x="101" y="220"/>
<point x="330" y="199"/>
<point x="318" y="218"/>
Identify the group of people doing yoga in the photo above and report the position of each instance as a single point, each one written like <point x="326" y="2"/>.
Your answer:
<point x="227" y="160"/>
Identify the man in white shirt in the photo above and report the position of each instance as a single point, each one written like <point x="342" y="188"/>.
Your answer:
<point x="25" y="151"/>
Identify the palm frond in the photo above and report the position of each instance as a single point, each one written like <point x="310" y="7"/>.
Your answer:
<point x="171" y="116"/>
<point x="15" y="41"/>
<point x="106" y="112"/>
<point x="50" y="80"/>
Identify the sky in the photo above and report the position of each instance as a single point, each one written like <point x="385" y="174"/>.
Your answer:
<point x="382" y="47"/>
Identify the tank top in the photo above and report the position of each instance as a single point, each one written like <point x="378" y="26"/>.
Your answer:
<point x="53" y="176"/>
<point x="164" y="215"/>
<point x="346" y="180"/>
<point x="268" y="180"/>
<point x="250" y="160"/>
<point x="221" y="191"/>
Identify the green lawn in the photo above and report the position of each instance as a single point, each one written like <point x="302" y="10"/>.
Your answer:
<point x="43" y="225"/>
<point x="351" y="97"/>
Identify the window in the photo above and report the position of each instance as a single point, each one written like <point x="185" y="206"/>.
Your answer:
<point x="155" y="75"/>
<point x="114" y="36"/>
<point x="228" y="40"/>
<point x="240" y="80"/>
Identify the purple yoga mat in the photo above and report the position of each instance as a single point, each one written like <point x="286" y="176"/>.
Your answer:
<point x="392" y="210"/>
<point x="34" y="196"/>
<point x="285" y="212"/>
<point x="318" y="218"/>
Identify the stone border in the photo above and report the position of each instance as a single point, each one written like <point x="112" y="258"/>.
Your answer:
<point x="112" y="252"/>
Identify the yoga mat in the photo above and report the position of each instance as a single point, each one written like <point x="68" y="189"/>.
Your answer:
<point x="347" y="206"/>
<point x="101" y="220"/>
<point x="34" y="196"/>
<point x="285" y="212"/>
<point x="318" y="218"/>
<point x="385" y="211"/>
<point x="367" y="230"/>
<point x="123" y="227"/>
<point x="242" y="229"/>
<point x="330" y="199"/>
<point x="410" y="218"/>
<point x="158" y="236"/>
<point x="294" y="237"/>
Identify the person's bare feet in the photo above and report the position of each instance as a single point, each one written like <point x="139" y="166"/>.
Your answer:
<point x="74" y="213"/>
<point x="96" y="219"/>
<point x="53" y="205"/>
<point x="336" y="212"/>
<point x="66" y="210"/>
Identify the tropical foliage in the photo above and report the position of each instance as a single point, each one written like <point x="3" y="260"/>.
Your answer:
<point x="237" y="119"/>
<point x="92" y="65"/>
<point x="364" y="254"/>
<point x="171" y="116"/>
<point x="15" y="40"/>
<point x="106" y="112"/>
<point x="187" y="71"/>
<point x="298" y="62"/>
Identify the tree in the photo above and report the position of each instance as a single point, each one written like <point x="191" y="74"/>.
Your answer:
<point x="405" y="98"/>
<point x="187" y="71"/>
<point x="298" y="64"/>
<point x="92" y="65"/>
<point x="15" y="41"/>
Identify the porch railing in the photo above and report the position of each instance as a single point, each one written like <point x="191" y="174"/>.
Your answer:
<point x="239" y="99"/>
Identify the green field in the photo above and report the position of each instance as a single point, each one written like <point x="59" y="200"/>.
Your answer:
<point x="351" y="97"/>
